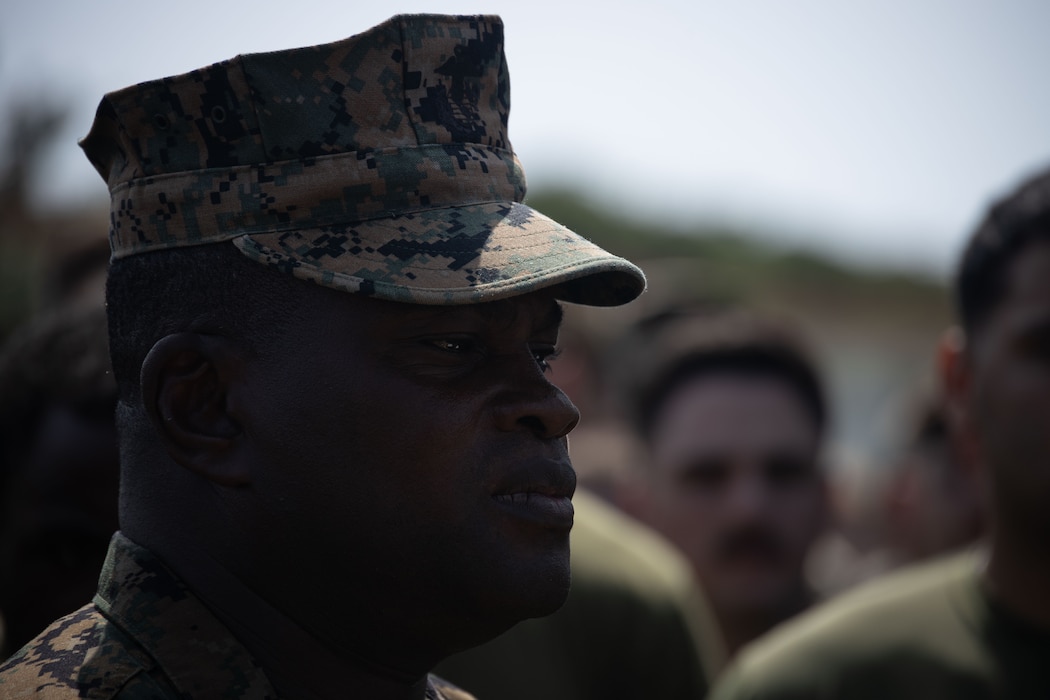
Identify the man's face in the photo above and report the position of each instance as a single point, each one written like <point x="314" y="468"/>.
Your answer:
<point x="735" y="484"/>
<point x="1007" y="410"/>
<point x="930" y="505"/>
<point x="412" y="464"/>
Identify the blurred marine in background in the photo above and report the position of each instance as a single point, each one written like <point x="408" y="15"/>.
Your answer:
<point x="732" y="414"/>
<point x="975" y="624"/>
<point x="932" y="503"/>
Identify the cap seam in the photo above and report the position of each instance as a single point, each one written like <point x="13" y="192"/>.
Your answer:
<point x="242" y="66"/>
<point x="161" y="178"/>
<point x="551" y="254"/>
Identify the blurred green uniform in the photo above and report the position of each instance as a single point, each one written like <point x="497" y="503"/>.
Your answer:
<point x="928" y="632"/>
<point x="634" y="625"/>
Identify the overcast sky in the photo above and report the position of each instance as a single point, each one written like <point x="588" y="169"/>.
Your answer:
<point x="877" y="130"/>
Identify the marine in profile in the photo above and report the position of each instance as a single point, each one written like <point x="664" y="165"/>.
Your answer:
<point x="330" y="316"/>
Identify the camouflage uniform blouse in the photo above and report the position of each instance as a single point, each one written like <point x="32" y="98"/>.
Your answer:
<point x="144" y="636"/>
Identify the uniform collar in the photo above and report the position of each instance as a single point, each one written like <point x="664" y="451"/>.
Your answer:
<point x="189" y="645"/>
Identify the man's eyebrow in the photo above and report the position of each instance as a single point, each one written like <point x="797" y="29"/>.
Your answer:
<point x="553" y="318"/>
<point x="549" y="318"/>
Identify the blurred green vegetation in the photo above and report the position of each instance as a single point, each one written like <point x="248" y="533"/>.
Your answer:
<point x="711" y="262"/>
<point x="873" y="330"/>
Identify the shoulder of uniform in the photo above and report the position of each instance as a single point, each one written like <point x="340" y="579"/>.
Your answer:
<point x="81" y="655"/>
<point x="910" y="609"/>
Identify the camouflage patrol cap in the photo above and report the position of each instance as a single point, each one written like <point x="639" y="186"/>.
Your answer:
<point x="378" y="165"/>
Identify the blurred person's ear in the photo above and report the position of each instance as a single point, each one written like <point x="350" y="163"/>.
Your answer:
<point x="954" y="374"/>
<point x="829" y="516"/>
<point x="189" y="386"/>
<point x="956" y="378"/>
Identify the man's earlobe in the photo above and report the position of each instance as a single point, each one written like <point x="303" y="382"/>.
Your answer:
<point x="952" y="368"/>
<point x="953" y="364"/>
<point x="186" y="382"/>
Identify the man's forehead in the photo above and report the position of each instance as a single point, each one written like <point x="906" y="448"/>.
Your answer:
<point x="542" y="310"/>
<point x="713" y="388"/>
<point x="727" y="415"/>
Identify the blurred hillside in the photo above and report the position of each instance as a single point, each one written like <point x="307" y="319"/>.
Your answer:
<point x="874" y="330"/>
<point x="718" y="264"/>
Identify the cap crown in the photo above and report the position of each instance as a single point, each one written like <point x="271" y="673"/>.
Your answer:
<point x="377" y="165"/>
<point x="415" y="79"/>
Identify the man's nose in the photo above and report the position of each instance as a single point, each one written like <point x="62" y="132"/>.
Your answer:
<point x="533" y="403"/>
<point x="748" y="493"/>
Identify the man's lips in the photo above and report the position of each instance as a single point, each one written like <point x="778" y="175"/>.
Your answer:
<point x="752" y="547"/>
<point x="551" y="512"/>
<point x="541" y="494"/>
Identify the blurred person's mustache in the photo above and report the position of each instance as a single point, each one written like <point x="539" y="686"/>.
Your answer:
<point x="749" y="542"/>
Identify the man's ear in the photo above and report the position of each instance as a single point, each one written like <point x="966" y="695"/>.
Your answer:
<point x="827" y="503"/>
<point x="954" y="373"/>
<point x="956" y="377"/>
<point x="186" y="381"/>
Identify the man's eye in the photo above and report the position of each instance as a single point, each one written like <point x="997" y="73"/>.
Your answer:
<point x="545" y="356"/>
<point x="788" y="470"/>
<point x="456" y="345"/>
<point x="705" y="474"/>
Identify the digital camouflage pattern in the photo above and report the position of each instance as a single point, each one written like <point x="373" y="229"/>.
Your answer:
<point x="144" y="636"/>
<point x="379" y="164"/>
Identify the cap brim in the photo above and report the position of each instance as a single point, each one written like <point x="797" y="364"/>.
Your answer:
<point x="452" y="255"/>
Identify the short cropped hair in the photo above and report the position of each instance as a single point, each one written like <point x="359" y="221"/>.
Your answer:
<point x="688" y="346"/>
<point x="1011" y="225"/>
<point x="205" y="289"/>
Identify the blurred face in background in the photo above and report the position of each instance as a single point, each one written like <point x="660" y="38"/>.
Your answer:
<point x="734" y="481"/>
<point x="1007" y="404"/>
<point x="931" y="504"/>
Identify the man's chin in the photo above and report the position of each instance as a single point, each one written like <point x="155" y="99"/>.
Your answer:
<point x="754" y="588"/>
<point x="495" y="616"/>
<point x="534" y="588"/>
<point x="546" y="594"/>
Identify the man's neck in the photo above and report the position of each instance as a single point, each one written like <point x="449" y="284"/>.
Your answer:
<point x="297" y="663"/>
<point x="739" y="627"/>
<point x="1018" y="575"/>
